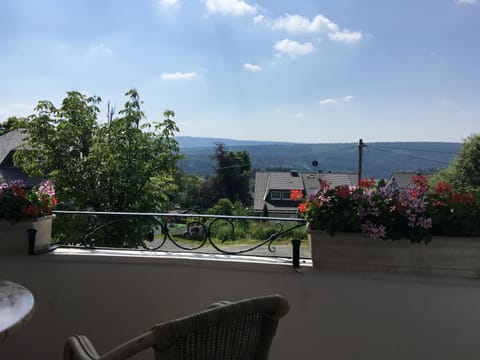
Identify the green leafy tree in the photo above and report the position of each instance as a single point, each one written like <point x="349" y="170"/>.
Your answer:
<point x="125" y="164"/>
<point x="265" y="211"/>
<point x="189" y="194"/>
<point x="10" y="124"/>
<point x="223" y="207"/>
<point x="211" y="192"/>
<point x="233" y="174"/>
<point x="463" y="174"/>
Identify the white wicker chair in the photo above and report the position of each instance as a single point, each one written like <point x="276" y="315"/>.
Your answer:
<point x="240" y="330"/>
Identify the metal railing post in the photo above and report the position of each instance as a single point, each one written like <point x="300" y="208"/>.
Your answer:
<point x="296" y="253"/>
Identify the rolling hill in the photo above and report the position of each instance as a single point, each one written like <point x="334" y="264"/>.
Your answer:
<point x="380" y="159"/>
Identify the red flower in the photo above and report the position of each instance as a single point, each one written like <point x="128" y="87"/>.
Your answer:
<point x="18" y="191"/>
<point x="302" y="208"/>
<point x="420" y="181"/>
<point x="32" y="210"/>
<point x="296" y="195"/>
<point x="324" y="185"/>
<point x="463" y="198"/>
<point x="343" y="191"/>
<point x="399" y="207"/>
<point x="443" y="188"/>
<point x="367" y="183"/>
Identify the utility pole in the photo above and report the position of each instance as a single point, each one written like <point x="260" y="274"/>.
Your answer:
<point x="361" y="145"/>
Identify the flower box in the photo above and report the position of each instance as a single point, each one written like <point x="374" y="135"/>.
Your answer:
<point x="15" y="238"/>
<point x="445" y="256"/>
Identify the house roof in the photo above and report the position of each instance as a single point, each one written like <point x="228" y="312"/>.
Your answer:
<point x="10" y="141"/>
<point x="284" y="181"/>
<point x="308" y="182"/>
<point x="404" y="178"/>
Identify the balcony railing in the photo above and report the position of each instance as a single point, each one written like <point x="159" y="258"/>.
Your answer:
<point x="224" y="234"/>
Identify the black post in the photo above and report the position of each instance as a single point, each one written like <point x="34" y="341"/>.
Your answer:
<point x="31" y="241"/>
<point x="296" y="253"/>
<point x="361" y="145"/>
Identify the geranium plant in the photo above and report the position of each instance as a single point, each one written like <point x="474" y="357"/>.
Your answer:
<point x="17" y="202"/>
<point x="453" y="213"/>
<point x="381" y="212"/>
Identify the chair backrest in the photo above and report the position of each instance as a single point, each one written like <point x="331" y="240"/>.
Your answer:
<point x="238" y="330"/>
<point x="241" y="330"/>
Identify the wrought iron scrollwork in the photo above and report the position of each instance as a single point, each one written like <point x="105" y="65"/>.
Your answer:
<point x="202" y="233"/>
<point x="189" y="232"/>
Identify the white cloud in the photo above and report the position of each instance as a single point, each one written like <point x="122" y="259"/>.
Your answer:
<point x="319" y="24"/>
<point x="230" y="7"/>
<point x="328" y="102"/>
<point x="99" y="50"/>
<point x="298" y="23"/>
<point x="179" y="76"/>
<point x="252" y="68"/>
<point x="292" y="47"/>
<point x="299" y="116"/>
<point x="345" y="36"/>
<point x="168" y="3"/>
<point x="258" y="19"/>
<point x="466" y="2"/>
<point x="343" y="99"/>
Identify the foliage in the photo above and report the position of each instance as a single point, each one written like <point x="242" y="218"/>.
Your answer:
<point x="10" y="124"/>
<point x="452" y="212"/>
<point x="380" y="212"/>
<point x="189" y="191"/>
<point x="210" y="192"/>
<point x="265" y="211"/>
<point x="124" y="164"/>
<point x="17" y="202"/>
<point x="385" y="212"/>
<point x="232" y="174"/>
<point x="223" y="207"/>
<point x="463" y="174"/>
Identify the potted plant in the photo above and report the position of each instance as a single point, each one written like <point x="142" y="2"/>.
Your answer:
<point x="346" y="226"/>
<point x="26" y="217"/>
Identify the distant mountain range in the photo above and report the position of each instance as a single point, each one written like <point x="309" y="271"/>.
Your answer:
<point x="380" y="159"/>
<point x="195" y="142"/>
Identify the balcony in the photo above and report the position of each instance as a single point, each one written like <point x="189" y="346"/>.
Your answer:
<point x="113" y="295"/>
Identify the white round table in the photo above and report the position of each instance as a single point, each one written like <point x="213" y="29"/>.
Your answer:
<point x="16" y="307"/>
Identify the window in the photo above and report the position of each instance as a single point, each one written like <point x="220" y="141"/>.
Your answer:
<point x="283" y="195"/>
<point x="276" y="195"/>
<point x="286" y="195"/>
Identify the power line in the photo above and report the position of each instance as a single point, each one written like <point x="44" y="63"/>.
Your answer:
<point x="413" y="156"/>
<point x="231" y="167"/>
<point x="409" y="149"/>
<point x="350" y="147"/>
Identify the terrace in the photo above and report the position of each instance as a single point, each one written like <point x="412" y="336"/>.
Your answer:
<point x="111" y="295"/>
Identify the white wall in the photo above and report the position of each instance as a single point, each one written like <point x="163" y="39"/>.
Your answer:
<point x="333" y="315"/>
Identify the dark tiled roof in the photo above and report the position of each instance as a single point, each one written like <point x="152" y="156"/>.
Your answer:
<point x="308" y="182"/>
<point x="261" y="179"/>
<point x="9" y="141"/>
<point x="284" y="181"/>
<point x="404" y="179"/>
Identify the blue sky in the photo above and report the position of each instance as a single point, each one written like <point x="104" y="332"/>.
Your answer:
<point x="301" y="71"/>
